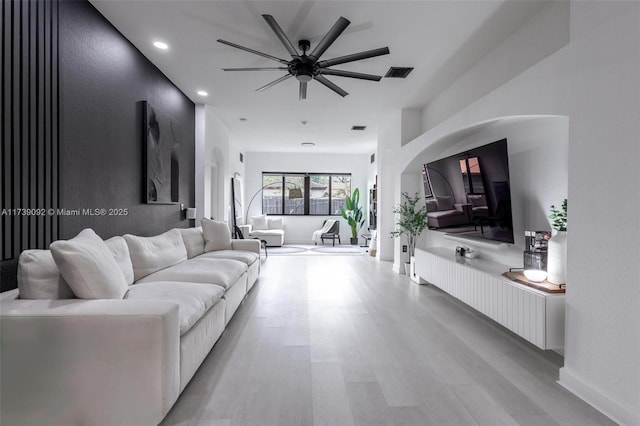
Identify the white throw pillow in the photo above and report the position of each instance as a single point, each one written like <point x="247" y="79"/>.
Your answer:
<point x="193" y="241"/>
<point x="259" y="222"/>
<point x="39" y="277"/>
<point x="151" y="254"/>
<point x="120" y="251"/>
<point x="216" y="235"/>
<point x="275" y="223"/>
<point x="88" y="266"/>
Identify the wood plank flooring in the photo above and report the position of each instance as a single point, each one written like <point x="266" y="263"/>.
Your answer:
<point x="343" y="340"/>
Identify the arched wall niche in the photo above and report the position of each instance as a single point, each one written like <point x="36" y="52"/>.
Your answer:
<point x="538" y="169"/>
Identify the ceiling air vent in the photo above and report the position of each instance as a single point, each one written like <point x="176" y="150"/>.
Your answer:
<point x="398" y="72"/>
<point x="358" y="127"/>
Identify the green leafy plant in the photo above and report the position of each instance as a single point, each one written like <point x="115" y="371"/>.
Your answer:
<point x="353" y="212"/>
<point x="411" y="221"/>
<point x="559" y="217"/>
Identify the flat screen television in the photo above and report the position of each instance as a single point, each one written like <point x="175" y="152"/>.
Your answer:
<point x="468" y="194"/>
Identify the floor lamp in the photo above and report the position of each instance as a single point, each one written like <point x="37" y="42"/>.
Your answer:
<point x="294" y="192"/>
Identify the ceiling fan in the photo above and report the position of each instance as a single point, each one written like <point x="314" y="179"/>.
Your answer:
<point x="309" y="67"/>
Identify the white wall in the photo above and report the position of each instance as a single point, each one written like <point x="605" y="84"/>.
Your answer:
<point x="595" y="81"/>
<point x="389" y="141"/>
<point x="602" y="356"/>
<point x="216" y="162"/>
<point x="545" y="33"/>
<point x="299" y="229"/>
<point x="538" y="175"/>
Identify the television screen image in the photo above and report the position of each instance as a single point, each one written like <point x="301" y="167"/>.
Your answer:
<point x="468" y="194"/>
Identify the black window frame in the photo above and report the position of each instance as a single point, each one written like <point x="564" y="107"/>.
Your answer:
<point x="306" y="192"/>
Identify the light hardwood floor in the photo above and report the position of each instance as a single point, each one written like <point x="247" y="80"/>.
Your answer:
<point x="343" y="340"/>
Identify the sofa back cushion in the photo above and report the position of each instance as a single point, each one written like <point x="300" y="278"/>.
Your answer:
<point x="120" y="251"/>
<point x="445" y="202"/>
<point x="39" y="277"/>
<point x="216" y="235"/>
<point x="432" y="206"/>
<point x="275" y="223"/>
<point x="193" y="241"/>
<point x="88" y="266"/>
<point x="259" y="223"/>
<point x="151" y="254"/>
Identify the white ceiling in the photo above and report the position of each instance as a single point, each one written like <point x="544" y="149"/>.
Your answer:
<point x="440" y="39"/>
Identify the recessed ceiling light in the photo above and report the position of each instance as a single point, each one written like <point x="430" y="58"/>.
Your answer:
<point x="242" y="119"/>
<point x="161" y="45"/>
<point x="203" y="93"/>
<point x="308" y="144"/>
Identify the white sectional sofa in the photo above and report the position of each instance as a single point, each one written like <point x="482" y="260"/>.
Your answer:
<point x="264" y="228"/>
<point x="110" y="333"/>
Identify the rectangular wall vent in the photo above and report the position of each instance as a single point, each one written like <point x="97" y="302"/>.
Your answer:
<point x="398" y="72"/>
<point x="358" y="127"/>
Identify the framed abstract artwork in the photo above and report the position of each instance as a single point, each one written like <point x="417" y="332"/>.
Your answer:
<point x="162" y="147"/>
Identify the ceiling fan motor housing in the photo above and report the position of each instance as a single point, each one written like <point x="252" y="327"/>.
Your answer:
<point x="303" y="68"/>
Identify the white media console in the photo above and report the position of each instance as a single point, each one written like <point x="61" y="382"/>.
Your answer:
<point x="534" y="315"/>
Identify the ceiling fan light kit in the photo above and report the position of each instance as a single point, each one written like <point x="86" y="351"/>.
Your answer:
<point x="309" y="67"/>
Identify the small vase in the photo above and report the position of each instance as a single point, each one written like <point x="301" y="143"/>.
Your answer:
<point x="557" y="258"/>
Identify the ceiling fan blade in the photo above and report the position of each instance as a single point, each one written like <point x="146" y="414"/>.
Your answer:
<point x="340" y="73"/>
<point x="303" y="90"/>
<point x="281" y="35"/>
<point x="354" y="57"/>
<point x="255" y="52"/>
<point x="330" y="85"/>
<point x="328" y="39"/>
<point x="255" y="69"/>
<point x="273" y="83"/>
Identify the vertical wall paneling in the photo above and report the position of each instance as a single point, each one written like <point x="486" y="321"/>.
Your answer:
<point x="30" y="124"/>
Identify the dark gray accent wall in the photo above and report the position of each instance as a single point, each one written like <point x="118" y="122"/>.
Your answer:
<point x="29" y="124"/>
<point x="104" y="80"/>
<point x="72" y="137"/>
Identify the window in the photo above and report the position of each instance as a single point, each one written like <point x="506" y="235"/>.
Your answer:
<point x="340" y="189"/>
<point x="471" y="175"/>
<point x="304" y="194"/>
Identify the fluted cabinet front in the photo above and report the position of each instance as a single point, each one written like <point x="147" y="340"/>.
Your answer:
<point x="533" y="315"/>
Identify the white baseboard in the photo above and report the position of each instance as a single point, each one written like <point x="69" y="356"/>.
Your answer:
<point x="397" y="270"/>
<point x="601" y="402"/>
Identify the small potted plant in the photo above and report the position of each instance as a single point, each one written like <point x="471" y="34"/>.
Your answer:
<point x="411" y="221"/>
<point x="353" y="214"/>
<point x="557" y="246"/>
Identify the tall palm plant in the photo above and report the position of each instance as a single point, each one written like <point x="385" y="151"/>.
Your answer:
<point x="353" y="213"/>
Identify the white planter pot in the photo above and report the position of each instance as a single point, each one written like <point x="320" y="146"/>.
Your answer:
<point x="407" y="269"/>
<point x="557" y="258"/>
<point x="412" y="271"/>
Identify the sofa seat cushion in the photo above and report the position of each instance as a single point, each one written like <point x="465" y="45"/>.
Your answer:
<point x="222" y="272"/>
<point x="443" y="214"/>
<point x="194" y="299"/>
<point x="245" y="257"/>
<point x="266" y="232"/>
